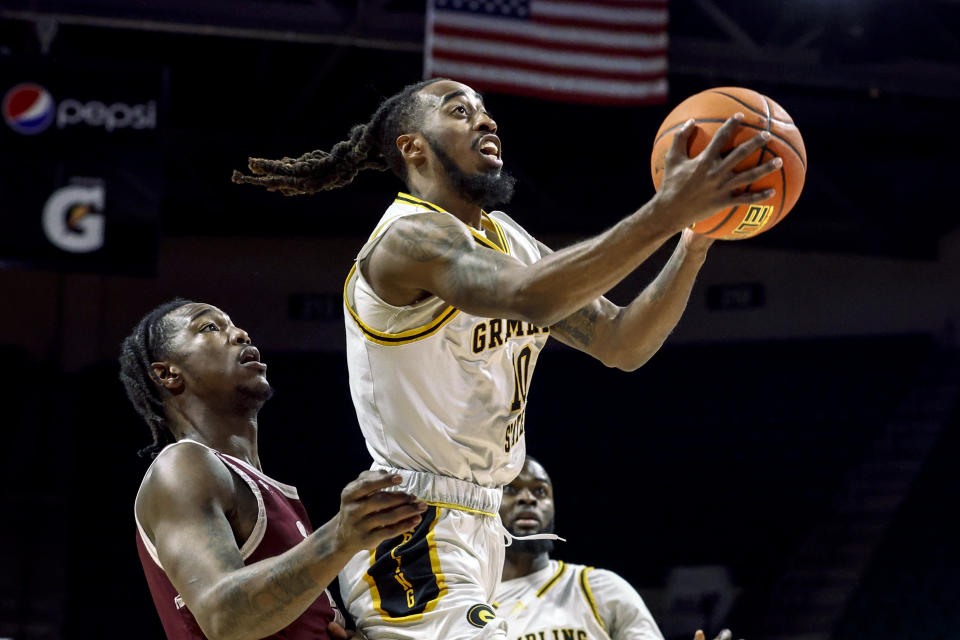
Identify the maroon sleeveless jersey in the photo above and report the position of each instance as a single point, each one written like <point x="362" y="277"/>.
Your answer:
<point x="282" y="523"/>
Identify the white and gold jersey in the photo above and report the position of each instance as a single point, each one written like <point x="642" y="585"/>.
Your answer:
<point x="437" y="389"/>
<point x="569" y="601"/>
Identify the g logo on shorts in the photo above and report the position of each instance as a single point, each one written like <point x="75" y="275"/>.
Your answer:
<point x="480" y="614"/>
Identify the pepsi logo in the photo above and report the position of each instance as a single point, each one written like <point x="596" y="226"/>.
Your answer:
<point x="28" y="109"/>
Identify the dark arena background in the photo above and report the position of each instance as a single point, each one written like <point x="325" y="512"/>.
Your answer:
<point x="783" y="467"/>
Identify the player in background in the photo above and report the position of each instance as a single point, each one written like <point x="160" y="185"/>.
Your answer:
<point x="229" y="552"/>
<point x="447" y="309"/>
<point x="550" y="599"/>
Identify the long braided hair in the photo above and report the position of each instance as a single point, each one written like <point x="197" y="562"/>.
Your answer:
<point x="370" y="146"/>
<point x="147" y="344"/>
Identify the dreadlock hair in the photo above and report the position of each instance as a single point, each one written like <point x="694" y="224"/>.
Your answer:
<point x="145" y="345"/>
<point x="370" y="146"/>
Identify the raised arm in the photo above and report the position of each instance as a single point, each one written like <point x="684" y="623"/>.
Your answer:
<point x="186" y="506"/>
<point x="436" y="254"/>
<point x="626" y="337"/>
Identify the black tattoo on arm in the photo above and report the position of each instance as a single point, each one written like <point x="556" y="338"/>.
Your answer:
<point x="580" y="329"/>
<point x="462" y="271"/>
<point x="656" y="289"/>
<point x="286" y="586"/>
<point x="433" y="241"/>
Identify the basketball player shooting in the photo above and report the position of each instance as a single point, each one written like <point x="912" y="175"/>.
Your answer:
<point x="447" y="308"/>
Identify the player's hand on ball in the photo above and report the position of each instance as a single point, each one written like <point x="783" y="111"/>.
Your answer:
<point x="368" y="515"/>
<point x="694" y="189"/>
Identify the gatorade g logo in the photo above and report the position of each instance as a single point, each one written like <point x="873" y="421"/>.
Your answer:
<point x="480" y="614"/>
<point x="73" y="217"/>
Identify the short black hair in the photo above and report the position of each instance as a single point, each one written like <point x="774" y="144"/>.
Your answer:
<point x="146" y="344"/>
<point x="530" y="458"/>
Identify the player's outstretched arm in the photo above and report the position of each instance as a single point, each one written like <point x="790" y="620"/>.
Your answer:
<point x="436" y="254"/>
<point x="627" y="337"/>
<point x="186" y="506"/>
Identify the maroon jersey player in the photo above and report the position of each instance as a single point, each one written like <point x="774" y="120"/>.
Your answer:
<point x="229" y="552"/>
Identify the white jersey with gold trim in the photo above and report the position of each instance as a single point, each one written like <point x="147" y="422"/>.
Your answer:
<point x="564" y="601"/>
<point x="435" y="388"/>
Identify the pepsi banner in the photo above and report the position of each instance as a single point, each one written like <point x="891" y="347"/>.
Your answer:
<point x="81" y="167"/>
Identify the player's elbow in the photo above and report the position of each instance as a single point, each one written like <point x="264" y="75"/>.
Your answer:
<point x="217" y="623"/>
<point x="219" y="627"/>
<point x="626" y="361"/>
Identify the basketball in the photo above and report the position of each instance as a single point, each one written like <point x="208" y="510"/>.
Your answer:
<point x="709" y="109"/>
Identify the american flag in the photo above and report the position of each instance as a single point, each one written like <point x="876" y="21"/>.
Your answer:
<point x="594" y="51"/>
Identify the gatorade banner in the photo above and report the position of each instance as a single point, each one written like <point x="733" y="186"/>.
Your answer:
<point x="82" y="163"/>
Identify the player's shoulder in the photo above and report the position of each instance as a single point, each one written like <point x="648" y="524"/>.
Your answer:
<point x="183" y="472"/>
<point x="426" y="235"/>
<point x="590" y="577"/>
<point x="503" y="216"/>
<point x="603" y="584"/>
<point x="597" y="575"/>
<point x="512" y="227"/>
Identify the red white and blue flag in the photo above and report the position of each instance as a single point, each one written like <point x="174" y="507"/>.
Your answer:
<point x="593" y="51"/>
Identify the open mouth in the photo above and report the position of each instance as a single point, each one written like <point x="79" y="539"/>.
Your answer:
<point x="489" y="146"/>
<point x="250" y="357"/>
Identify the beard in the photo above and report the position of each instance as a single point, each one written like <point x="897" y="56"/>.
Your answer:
<point x="533" y="547"/>
<point x="253" y="396"/>
<point x="486" y="190"/>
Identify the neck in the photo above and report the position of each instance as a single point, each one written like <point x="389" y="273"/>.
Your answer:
<point x="517" y="565"/>
<point x="449" y="200"/>
<point x="233" y="431"/>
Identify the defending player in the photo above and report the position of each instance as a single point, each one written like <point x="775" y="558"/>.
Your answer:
<point x="227" y="551"/>
<point x="545" y="599"/>
<point x="447" y="309"/>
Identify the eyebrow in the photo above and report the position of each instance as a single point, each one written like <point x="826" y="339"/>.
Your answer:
<point x="456" y="94"/>
<point x="200" y="313"/>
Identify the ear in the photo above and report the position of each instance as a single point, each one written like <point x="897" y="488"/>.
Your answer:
<point x="412" y="147"/>
<point x="168" y="375"/>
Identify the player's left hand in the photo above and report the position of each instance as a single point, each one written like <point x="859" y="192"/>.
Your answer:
<point x="695" y="241"/>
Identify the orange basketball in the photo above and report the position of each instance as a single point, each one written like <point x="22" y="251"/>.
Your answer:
<point x="710" y="109"/>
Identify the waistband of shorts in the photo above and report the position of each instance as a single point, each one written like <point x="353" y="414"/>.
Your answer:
<point x="444" y="491"/>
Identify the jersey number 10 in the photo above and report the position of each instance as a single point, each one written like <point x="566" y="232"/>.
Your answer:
<point x="521" y="378"/>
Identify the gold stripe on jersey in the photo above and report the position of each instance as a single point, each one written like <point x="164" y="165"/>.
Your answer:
<point x="553" y="580"/>
<point x="404" y="337"/>
<point x="437" y="574"/>
<point x="485" y="241"/>
<point x="450" y="505"/>
<point x="500" y="234"/>
<point x="588" y="594"/>
<point x="409" y="199"/>
<point x="500" y="244"/>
